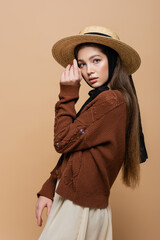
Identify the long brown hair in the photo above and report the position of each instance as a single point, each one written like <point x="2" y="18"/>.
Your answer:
<point x="120" y="81"/>
<point x="131" y="164"/>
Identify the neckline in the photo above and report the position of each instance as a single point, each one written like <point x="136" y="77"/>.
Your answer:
<point x="98" y="90"/>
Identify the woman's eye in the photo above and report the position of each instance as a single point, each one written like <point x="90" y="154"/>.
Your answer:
<point x="80" y="65"/>
<point x="96" y="60"/>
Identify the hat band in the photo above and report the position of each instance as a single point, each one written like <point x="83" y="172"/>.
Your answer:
<point x="97" y="33"/>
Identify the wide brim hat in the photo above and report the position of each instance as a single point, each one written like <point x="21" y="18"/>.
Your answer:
<point x="63" y="50"/>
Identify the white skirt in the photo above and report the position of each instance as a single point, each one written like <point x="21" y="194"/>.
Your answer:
<point x="69" y="221"/>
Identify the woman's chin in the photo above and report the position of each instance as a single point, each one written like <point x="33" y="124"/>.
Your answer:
<point x="91" y="84"/>
<point x="96" y="84"/>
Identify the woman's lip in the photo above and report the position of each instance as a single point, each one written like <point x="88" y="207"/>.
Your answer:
<point x="93" y="80"/>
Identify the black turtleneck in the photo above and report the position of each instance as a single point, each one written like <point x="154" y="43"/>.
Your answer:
<point x="93" y="93"/>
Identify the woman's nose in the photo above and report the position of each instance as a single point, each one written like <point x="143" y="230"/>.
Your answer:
<point x="89" y="69"/>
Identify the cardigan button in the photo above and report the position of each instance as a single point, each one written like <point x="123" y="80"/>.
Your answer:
<point x="81" y="131"/>
<point x="57" y="144"/>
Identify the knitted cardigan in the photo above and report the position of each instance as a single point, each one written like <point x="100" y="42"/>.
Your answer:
<point x="92" y="145"/>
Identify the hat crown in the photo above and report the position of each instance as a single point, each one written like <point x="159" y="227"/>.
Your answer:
<point x="100" y="30"/>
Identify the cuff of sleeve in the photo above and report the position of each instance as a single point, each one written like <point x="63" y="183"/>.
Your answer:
<point x="48" y="188"/>
<point x="69" y="90"/>
<point x="45" y="194"/>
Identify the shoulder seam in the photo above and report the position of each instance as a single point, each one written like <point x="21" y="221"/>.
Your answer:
<point x="119" y="96"/>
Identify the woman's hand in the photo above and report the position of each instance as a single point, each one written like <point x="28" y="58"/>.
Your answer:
<point x="42" y="202"/>
<point x="71" y="75"/>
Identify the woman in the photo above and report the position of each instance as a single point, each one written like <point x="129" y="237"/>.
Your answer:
<point x="105" y="135"/>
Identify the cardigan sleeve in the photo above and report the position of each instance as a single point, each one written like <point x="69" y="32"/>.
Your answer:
<point x="94" y="126"/>
<point x="48" y="188"/>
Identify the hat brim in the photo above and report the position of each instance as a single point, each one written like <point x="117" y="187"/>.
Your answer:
<point x="63" y="50"/>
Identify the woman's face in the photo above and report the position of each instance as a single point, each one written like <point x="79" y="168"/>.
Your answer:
<point x="94" y="65"/>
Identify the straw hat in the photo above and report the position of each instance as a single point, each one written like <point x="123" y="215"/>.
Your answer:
<point x="63" y="50"/>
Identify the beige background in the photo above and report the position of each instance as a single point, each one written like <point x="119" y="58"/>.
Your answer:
<point x="29" y="80"/>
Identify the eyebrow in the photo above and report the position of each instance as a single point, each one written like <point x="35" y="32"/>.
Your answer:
<point x="90" y="57"/>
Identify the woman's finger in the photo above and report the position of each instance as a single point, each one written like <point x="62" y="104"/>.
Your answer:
<point x="77" y="70"/>
<point x="75" y="63"/>
<point x="71" y="74"/>
<point x="39" y="215"/>
<point x="66" y="72"/>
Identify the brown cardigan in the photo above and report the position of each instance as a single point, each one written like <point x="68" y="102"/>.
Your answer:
<point x="93" y="146"/>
